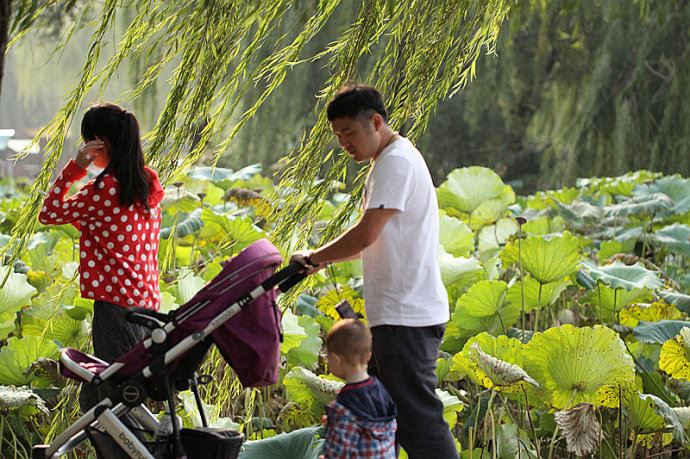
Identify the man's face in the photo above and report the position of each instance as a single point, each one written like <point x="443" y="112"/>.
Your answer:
<point x="358" y="136"/>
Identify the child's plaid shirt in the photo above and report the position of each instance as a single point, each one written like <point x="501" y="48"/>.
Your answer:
<point x="349" y="436"/>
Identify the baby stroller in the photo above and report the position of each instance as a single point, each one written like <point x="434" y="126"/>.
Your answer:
<point x="244" y="291"/>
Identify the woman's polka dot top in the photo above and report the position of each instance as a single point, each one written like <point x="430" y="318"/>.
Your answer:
<point x="118" y="245"/>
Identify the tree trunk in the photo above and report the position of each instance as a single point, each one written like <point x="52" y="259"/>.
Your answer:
<point x="5" y="10"/>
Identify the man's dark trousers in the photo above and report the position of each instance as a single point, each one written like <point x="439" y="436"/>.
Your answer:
<point x="404" y="359"/>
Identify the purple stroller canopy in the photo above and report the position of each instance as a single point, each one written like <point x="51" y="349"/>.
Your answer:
<point x="249" y="341"/>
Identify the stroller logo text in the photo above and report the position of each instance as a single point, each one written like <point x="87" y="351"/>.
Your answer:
<point x="133" y="451"/>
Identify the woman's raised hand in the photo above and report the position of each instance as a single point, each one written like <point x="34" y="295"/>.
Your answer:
<point x="88" y="152"/>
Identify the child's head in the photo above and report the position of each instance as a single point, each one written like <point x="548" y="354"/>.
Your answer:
<point x="348" y="344"/>
<point x="122" y="155"/>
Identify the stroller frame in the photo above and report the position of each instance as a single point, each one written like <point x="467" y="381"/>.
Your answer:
<point x="128" y="396"/>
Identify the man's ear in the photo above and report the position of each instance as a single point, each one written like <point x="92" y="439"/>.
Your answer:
<point x="378" y="121"/>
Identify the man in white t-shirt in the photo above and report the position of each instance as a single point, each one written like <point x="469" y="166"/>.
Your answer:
<point x="397" y="238"/>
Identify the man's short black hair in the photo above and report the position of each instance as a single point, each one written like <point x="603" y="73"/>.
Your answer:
<point x="354" y="100"/>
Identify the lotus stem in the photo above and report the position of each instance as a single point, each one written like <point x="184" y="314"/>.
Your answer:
<point x="615" y="299"/>
<point x="601" y="320"/>
<point x="553" y="442"/>
<point x="531" y="424"/>
<point x="620" y="413"/>
<point x="522" y="280"/>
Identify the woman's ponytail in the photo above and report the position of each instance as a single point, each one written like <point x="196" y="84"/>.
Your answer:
<point x="121" y="129"/>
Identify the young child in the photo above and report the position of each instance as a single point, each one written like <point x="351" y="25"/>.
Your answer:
<point x="118" y="218"/>
<point x="361" y="421"/>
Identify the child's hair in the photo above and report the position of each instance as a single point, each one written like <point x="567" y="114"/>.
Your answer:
<point x="351" y="340"/>
<point x="121" y="129"/>
<point x="354" y="100"/>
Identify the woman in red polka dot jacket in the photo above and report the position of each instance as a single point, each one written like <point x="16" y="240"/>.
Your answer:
<point x="118" y="216"/>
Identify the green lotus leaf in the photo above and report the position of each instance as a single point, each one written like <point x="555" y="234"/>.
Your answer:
<point x="19" y="354"/>
<point x="53" y="322"/>
<point x="309" y="391"/>
<point x="493" y="210"/>
<point x="543" y="225"/>
<point x="631" y="315"/>
<point x="658" y="332"/>
<point x="545" y="259"/>
<point x="604" y="298"/>
<point x="293" y="332"/>
<point x="609" y="248"/>
<point x="579" y="365"/>
<point x="510" y="445"/>
<point x="616" y="186"/>
<point x="675" y="187"/>
<point x="467" y="188"/>
<point x="676" y="238"/>
<point x="679" y="300"/>
<point x="459" y="270"/>
<point x="307" y="353"/>
<point x="620" y="276"/>
<point x="332" y="298"/>
<point x="493" y="237"/>
<point x="219" y="227"/>
<point x="648" y="414"/>
<point x="652" y="204"/>
<point x="495" y="362"/>
<point x="534" y="299"/>
<point x="451" y="407"/>
<point x="579" y="212"/>
<point x="674" y="357"/>
<point x="15" y="294"/>
<point x="189" y="225"/>
<point x="484" y="308"/>
<point x="455" y="236"/>
<point x="224" y="178"/>
<point x="549" y="199"/>
<point x="188" y="284"/>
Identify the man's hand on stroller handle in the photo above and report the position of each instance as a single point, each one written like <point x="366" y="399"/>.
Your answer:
<point x="304" y="259"/>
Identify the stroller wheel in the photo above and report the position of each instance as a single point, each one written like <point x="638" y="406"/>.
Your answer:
<point x="39" y="452"/>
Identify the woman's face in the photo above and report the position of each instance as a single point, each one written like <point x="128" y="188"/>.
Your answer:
<point x="102" y="155"/>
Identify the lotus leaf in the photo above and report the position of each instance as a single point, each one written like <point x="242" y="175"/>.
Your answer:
<point x="534" y="298"/>
<point x="543" y="225"/>
<point x="604" y="298"/>
<point x="546" y="260"/>
<point x="54" y="323"/>
<point x="658" y="332"/>
<point x="649" y="205"/>
<point x="459" y="271"/>
<point x="648" y="414"/>
<point x="19" y="354"/>
<point x="579" y="365"/>
<point x="673" y="358"/>
<point x="455" y="236"/>
<point x="451" y="407"/>
<point x="495" y="362"/>
<point x="659" y="310"/>
<point x="493" y="237"/>
<point x="679" y="300"/>
<point x="330" y="300"/>
<point x="581" y="429"/>
<point x="21" y="400"/>
<point x="484" y="308"/>
<point x="675" y="187"/>
<point x="477" y="192"/>
<point x="676" y="238"/>
<point x="311" y="392"/>
<point x="620" y="276"/>
<point x="15" y="294"/>
<point x="612" y="247"/>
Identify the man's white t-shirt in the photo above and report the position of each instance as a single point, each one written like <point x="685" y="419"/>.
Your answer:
<point x="402" y="277"/>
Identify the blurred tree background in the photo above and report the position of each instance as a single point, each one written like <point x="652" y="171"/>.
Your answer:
<point x="576" y="88"/>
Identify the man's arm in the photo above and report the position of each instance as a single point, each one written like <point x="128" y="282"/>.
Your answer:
<point x="350" y="244"/>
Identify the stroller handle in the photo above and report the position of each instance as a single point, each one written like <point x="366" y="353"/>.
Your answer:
<point x="286" y="278"/>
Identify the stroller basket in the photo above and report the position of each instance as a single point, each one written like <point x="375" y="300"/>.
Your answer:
<point x="235" y="311"/>
<point x="209" y="443"/>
